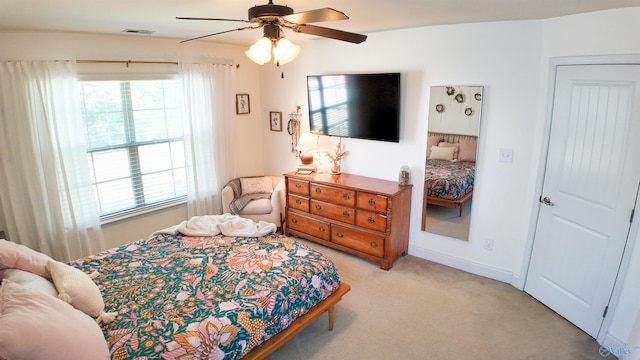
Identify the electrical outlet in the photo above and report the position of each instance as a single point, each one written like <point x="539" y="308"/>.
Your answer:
<point x="488" y="244"/>
<point x="506" y="155"/>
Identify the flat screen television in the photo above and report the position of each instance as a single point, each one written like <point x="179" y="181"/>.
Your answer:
<point x="363" y="106"/>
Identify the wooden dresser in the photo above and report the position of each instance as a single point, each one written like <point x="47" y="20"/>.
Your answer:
<point x="363" y="216"/>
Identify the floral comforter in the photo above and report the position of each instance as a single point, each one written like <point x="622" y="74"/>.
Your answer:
<point x="181" y="297"/>
<point x="449" y="180"/>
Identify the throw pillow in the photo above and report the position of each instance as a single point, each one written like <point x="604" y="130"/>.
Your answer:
<point x="468" y="150"/>
<point x="441" y="153"/>
<point x="256" y="185"/>
<point x="18" y="256"/>
<point x="456" y="148"/>
<point x="34" y="325"/>
<point x="29" y="280"/>
<point x="78" y="289"/>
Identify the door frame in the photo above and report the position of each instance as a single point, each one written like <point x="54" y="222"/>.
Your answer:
<point x="554" y="63"/>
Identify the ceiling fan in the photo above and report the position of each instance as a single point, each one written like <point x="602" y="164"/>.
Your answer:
<point x="273" y="18"/>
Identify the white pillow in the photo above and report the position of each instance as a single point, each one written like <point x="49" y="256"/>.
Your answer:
<point x="29" y="280"/>
<point x="256" y="185"/>
<point x="441" y="153"/>
<point x="78" y="289"/>
<point x="455" y="146"/>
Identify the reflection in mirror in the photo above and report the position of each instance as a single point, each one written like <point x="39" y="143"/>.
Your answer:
<point x="452" y="142"/>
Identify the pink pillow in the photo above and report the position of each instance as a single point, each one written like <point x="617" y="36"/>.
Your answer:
<point x="16" y="256"/>
<point x="34" y="325"/>
<point x="468" y="149"/>
<point x="432" y="141"/>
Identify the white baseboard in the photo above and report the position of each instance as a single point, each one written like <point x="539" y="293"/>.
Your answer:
<point x="466" y="265"/>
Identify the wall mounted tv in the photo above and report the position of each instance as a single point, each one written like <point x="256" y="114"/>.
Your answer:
<point x="363" y="106"/>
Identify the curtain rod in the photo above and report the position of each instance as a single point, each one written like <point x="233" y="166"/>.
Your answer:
<point x="127" y="62"/>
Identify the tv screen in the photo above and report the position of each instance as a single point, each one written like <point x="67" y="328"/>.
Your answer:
<point x="363" y="106"/>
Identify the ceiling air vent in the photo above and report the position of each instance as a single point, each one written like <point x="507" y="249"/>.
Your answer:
<point x="136" y="31"/>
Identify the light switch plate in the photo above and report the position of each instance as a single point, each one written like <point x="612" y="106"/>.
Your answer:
<point x="506" y="155"/>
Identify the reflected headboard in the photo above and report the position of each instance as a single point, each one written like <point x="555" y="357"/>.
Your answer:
<point x="453" y="138"/>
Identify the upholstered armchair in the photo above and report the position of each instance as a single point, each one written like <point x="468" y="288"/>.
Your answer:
<point x="259" y="198"/>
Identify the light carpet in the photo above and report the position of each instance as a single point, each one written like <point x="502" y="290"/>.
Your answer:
<point x="423" y="310"/>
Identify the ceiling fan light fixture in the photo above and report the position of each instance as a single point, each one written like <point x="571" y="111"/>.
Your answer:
<point x="285" y="51"/>
<point x="260" y="52"/>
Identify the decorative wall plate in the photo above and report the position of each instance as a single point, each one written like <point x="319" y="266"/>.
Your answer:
<point x="478" y="96"/>
<point x="468" y="111"/>
<point x="439" y="108"/>
<point x="460" y="98"/>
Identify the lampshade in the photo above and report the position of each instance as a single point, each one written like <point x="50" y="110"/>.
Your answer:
<point x="285" y="51"/>
<point x="260" y="52"/>
<point x="306" y="143"/>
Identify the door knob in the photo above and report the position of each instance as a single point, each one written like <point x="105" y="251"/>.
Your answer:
<point x="546" y="201"/>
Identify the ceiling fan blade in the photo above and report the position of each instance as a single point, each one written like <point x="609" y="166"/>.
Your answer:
<point x="318" y="15"/>
<point x="221" y="32"/>
<point x="197" y="18"/>
<point x="330" y="33"/>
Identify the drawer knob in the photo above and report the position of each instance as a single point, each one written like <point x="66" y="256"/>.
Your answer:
<point x="298" y="185"/>
<point x="345" y="213"/>
<point x="340" y="235"/>
<point x="346" y="196"/>
<point x="374" y="244"/>
<point x="318" y="190"/>
<point x="294" y="220"/>
<point x="371" y="201"/>
<point x="318" y="207"/>
<point x="371" y="220"/>
<point x="298" y="202"/>
<point x="321" y="228"/>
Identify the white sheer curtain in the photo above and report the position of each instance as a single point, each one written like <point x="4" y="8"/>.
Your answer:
<point x="45" y="189"/>
<point x="208" y="111"/>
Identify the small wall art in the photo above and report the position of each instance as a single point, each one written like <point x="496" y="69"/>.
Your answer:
<point x="242" y="104"/>
<point x="275" y="120"/>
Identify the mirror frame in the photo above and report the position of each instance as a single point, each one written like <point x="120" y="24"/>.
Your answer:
<point x="455" y="112"/>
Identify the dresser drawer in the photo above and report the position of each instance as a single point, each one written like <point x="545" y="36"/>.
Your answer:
<point x="372" y="202"/>
<point x="371" y="220"/>
<point x="298" y="202"/>
<point x="358" y="240"/>
<point x="298" y="186"/>
<point x="333" y="195"/>
<point x="332" y="211"/>
<point x="308" y="225"/>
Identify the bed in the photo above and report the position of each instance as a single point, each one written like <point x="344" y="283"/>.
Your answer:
<point x="449" y="177"/>
<point x="181" y="296"/>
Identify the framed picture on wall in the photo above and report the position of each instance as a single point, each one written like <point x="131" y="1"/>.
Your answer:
<point x="242" y="104"/>
<point x="275" y="120"/>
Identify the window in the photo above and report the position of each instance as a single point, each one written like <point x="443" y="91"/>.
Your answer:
<point x="134" y="143"/>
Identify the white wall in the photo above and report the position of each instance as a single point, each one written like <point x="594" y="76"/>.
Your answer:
<point x="502" y="57"/>
<point x="70" y="46"/>
<point x="511" y="60"/>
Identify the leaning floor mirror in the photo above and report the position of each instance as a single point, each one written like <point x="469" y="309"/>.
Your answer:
<point x="452" y="143"/>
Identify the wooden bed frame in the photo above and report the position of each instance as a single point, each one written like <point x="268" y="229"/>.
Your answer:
<point x="263" y="350"/>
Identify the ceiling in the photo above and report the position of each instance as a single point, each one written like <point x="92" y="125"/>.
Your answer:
<point x="366" y="16"/>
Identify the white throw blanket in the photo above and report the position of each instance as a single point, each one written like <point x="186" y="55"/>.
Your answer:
<point x="225" y="224"/>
